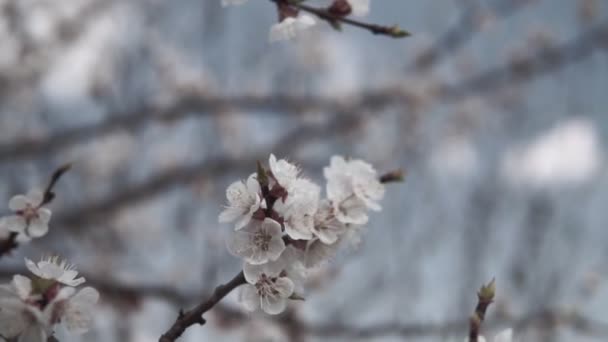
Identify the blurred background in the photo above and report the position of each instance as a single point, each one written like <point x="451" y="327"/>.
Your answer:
<point x="496" y="109"/>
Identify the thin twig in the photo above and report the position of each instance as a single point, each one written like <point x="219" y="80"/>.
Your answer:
<point x="390" y="31"/>
<point x="485" y="297"/>
<point x="195" y="316"/>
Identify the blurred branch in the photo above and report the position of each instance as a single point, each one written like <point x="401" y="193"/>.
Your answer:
<point x="35" y="59"/>
<point x="462" y="32"/>
<point x="536" y="64"/>
<point x="209" y="169"/>
<point x="112" y="290"/>
<point x="195" y="316"/>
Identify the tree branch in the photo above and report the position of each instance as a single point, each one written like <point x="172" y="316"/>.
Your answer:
<point x="195" y="316"/>
<point x="390" y="31"/>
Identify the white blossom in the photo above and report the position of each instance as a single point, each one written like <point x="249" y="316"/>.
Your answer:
<point x="30" y="219"/>
<point x="243" y="200"/>
<point x="353" y="186"/>
<point x="56" y="269"/>
<point x="504" y="336"/>
<point x="259" y="242"/>
<point x="360" y="8"/>
<point x="283" y="172"/>
<point x="232" y="2"/>
<point x="24" y="315"/>
<point x="268" y="288"/>
<point x="326" y="226"/>
<point x="290" y="27"/>
<point x="299" y="208"/>
<point x="317" y="252"/>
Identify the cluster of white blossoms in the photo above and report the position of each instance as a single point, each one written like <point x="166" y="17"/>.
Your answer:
<point x="30" y="219"/>
<point x="31" y="308"/>
<point x="292" y="22"/>
<point x="283" y="227"/>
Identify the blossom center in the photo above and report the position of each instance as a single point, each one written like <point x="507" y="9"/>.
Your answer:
<point x="262" y="239"/>
<point x="29" y="213"/>
<point x="265" y="286"/>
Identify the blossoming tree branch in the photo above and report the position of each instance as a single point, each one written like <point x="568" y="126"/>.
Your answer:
<point x="295" y="16"/>
<point x="283" y="228"/>
<point x="32" y="307"/>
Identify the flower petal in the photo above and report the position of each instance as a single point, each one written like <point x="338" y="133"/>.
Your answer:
<point x="18" y="202"/>
<point x="78" y="315"/>
<point x="249" y="298"/>
<point x="37" y="228"/>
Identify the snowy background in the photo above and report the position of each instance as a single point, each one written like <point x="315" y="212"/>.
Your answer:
<point x="497" y="109"/>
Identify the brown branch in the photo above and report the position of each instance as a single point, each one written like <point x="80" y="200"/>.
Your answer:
<point x="390" y="31"/>
<point x="8" y="244"/>
<point x="195" y="316"/>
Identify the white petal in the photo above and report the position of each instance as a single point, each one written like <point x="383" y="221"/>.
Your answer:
<point x="230" y="214"/>
<point x="275" y="248"/>
<point x="34" y="333"/>
<point x="23" y="286"/>
<point x="45" y="215"/>
<point x="69" y="278"/>
<point x="37" y="228"/>
<point x="12" y="322"/>
<point x="273" y="305"/>
<point x="504" y="336"/>
<point x="305" y="21"/>
<point x="237" y="193"/>
<point x="35" y="197"/>
<point x="15" y="223"/>
<point x="360" y="8"/>
<point x="78" y="315"/>
<point x="252" y="272"/>
<point x="18" y="202"/>
<point x="242" y="222"/>
<point x="239" y="244"/>
<point x="284" y="286"/>
<point x="253" y="186"/>
<point x="249" y="298"/>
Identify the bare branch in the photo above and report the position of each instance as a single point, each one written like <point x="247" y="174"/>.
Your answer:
<point x="390" y="31"/>
<point x="195" y="316"/>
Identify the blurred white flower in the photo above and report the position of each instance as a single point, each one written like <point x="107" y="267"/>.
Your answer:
<point x="298" y="208"/>
<point x="53" y="268"/>
<point x="346" y="178"/>
<point x="267" y="287"/>
<point x="359" y="8"/>
<point x="233" y="2"/>
<point x="29" y="219"/>
<point x="326" y="226"/>
<point x="504" y="336"/>
<point x="317" y="252"/>
<point x="290" y="27"/>
<point x="244" y="200"/>
<point x="258" y="243"/>
<point x="30" y="310"/>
